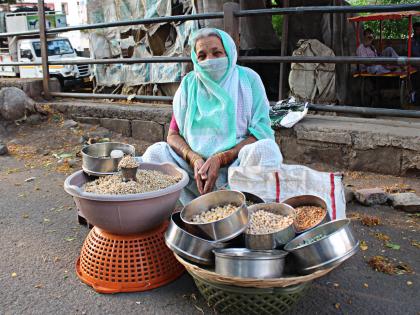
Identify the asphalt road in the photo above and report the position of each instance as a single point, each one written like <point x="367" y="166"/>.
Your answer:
<point x="40" y="240"/>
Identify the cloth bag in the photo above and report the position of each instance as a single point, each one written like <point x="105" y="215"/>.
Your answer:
<point x="280" y="183"/>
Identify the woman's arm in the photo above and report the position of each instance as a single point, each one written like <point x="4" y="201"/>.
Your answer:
<point x="181" y="147"/>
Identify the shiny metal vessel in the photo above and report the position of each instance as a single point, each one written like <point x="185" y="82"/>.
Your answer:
<point x="189" y="246"/>
<point x="335" y="245"/>
<point x="309" y="200"/>
<point x="272" y="240"/>
<point x="96" y="158"/>
<point x="221" y="230"/>
<point x="246" y="263"/>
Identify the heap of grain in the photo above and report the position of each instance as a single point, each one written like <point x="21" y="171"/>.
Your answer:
<point x="308" y="217"/>
<point x="147" y="180"/>
<point x="128" y="162"/>
<point x="214" y="214"/>
<point x="265" y="222"/>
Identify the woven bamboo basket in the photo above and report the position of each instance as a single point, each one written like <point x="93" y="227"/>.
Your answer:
<point x="215" y="278"/>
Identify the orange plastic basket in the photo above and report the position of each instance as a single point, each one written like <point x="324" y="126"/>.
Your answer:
<point x="127" y="263"/>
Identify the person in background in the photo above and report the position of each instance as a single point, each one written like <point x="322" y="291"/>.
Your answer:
<point x="415" y="52"/>
<point x="415" y="43"/>
<point x="220" y="118"/>
<point x="367" y="49"/>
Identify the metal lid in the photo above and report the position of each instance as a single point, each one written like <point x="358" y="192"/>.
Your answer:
<point x="243" y="253"/>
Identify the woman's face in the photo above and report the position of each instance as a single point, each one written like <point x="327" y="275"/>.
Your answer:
<point x="369" y="38"/>
<point x="210" y="47"/>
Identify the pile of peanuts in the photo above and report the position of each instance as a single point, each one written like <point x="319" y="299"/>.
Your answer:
<point x="214" y="214"/>
<point x="265" y="222"/>
<point x="308" y="216"/>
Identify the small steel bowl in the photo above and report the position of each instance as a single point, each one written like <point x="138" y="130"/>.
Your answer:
<point x="251" y="198"/>
<point x="272" y="240"/>
<point x="189" y="246"/>
<point x="221" y="230"/>
<point x="246" y="263"/>
<point x="337" y="245"/>
<point x="308" y="200"/>
<point x="129" y="173"/>
<point x="96" y="159"/>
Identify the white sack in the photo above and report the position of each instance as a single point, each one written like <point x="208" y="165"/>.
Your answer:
<point x="276" y="185"/>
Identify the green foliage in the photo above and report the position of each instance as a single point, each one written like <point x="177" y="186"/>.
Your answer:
<point x="392" y="29"/>
<point x="277" y="21"/>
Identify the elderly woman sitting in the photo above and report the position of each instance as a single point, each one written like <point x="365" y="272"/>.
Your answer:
<point x="220" y="118"/>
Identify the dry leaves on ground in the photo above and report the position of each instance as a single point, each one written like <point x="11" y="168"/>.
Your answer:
<point x="353" y="216"/>
<point x="382" y="237"/>
<point x="415" y="243"/>
<point x="383" y="264"/>
<point x="397" y="188"/>
<point x="363" y="245"/>
<point x="370" y="220"/>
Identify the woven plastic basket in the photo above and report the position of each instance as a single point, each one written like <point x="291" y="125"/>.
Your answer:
<point x="127" y="263"/>
<point x="228" y="299"/>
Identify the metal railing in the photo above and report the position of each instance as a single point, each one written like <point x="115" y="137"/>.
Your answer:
<point x="230" y="15"/>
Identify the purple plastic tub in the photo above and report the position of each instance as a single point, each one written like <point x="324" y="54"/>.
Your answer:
<point x="131" y="213"/>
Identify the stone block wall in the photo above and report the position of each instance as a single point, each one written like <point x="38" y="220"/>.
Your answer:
<point x="340" y="143"/>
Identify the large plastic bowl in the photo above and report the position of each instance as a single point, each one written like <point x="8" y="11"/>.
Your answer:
<point x="131" y="213"/>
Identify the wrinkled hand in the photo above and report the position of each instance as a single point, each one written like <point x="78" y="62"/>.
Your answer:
<point x="208" y="173"/>
<point x="198" y="164"/>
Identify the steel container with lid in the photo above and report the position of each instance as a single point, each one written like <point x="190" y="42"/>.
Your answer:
<point x="246" y="263"/>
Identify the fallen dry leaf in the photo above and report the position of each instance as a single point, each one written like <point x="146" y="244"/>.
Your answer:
<point x="415" y="243"/>
<point x="403" y="268"/>
<point x="397" y="188"/>
<point x="363" y="245"/>
<point x="353" y="216"/>
<point x="38" y="286"/>
<point x="383" y="264"/>
<point x="370" y="220"/>
<point x="382" y="237"/>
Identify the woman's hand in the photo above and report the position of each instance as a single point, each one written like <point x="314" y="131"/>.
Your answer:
<point x="198" y="164"/>
<point x="209" y="173"/>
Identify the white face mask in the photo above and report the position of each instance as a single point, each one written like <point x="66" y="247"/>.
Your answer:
<point x="215" y="68"/>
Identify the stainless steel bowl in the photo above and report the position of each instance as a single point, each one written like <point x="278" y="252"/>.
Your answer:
<point x="337" y="245"/>
<point x="309" y="200"/>
<point x="189" y="246"/>
<point x="245" y="263"/>
<point x="96" y="158"/>
<point x="251" y="198"/>
<point x="221" y="230"/>
<point x="272" y="240"/>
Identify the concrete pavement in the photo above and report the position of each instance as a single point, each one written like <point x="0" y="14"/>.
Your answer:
<point x="41" y="239"/>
